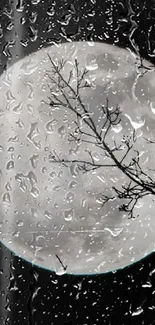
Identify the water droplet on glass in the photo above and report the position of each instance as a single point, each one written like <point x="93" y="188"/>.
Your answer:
<point x="34" y="160"/>
<point x="101" y="178"/>
<point x="69" y="197"/>
<point x="11" y="149"/>
<point x="48" y="215"/>
<point x="44" y="170"/>
<point x="152" y="108"/>
<point x="73" y="168"/>
<point x="72" y="184"/>
<point x="60" y="272"/>
<point x="34" y="212"/>
<point x="14" y="139"/>
<point x="115" y="232"/>
<point x="9" y="96"/>
<point x="31" y="91"/>
<point x="49" y="126"/>
<point x="16" y="234"/>
<point x="10" y="165"/>
<point x="92" y="65"/>
<point x="56" y="188"/>
<point x="34" y="192"/>
<point x="30" y="109"/>
<point x="83" y="203"/>
<point x="23" y="186"/>
<point x="20" y="123"/>
<point x="6" y="197"/>
<point x="117" y="128"/>
<point x="29" y="67"/>
<point x="68" y="214"/>
<point x="1" y="148"/>
<point x="18" y="108"/>
<point x="32" y="178"/>
<point x="62" y="131"/>
<point x="20" y="223"/>
<point x="135" y="125"/>
<point x="35" y="2"/>
<point x="52" y="174"/>
<point x="95" y="156"/>
<point x="51" y="11"/>
<point x="8" y="186"/>
<point x="34" y="132"/>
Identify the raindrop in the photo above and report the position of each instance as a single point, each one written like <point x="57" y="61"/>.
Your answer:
<point x="20" y="223"/>
<point x="6" y="198"/>
<point x="92" y="66"/>
<point x="68" y="214"/>
<point x="152" y="108"/>
<point x="1" y="148"/>
<point x="65" y="19"/>
<point x="69" y="197"/>
<point x="136" y="125"/>
<point x="11" y="149"/>
<point x="117" y="128"/>
<point x="51" y="11"/>
<point x="52" y="174"/>
<point x="35" y="2"/>
<point x="33" y="132"/>
<point x="16" y="234"/>
<point x="9" y="96"/>
<point x="34" y="212"/>
<point x="139" y="204"/>
<point x="32" y="178"/>
<point x="95" y="156"/>
<point x="60" y="272"/>
<point x="49" y="126"/>
<point x="101" y="178"/>
<point x="56" y="188"/>
<point x="30" y="109"/>
<point x="73" y="168"/>
<point x="115" y="232"/>
<point x="44" y="169"/>
<point x="1" y="32"/>
<point x="62" y="131"/>
<point x="33" y="17"/>
<point x="14" y="139"/>
<point x="10" y="165"/>
<point x="18" y="108"/>
<point x="23" y="186"/>
<point x="83" y="203"/>
<point x="29" y="67"/>
<point x="8" y="186"/>
<point x="34" y="160"/>
<point x="48" y="215"/>
<point x="138" y="311"/>
<point x="34" y="192"/>
<point x="33" y="33"/>
<point x="31" y="91"/>
<point x="72" y="184"/>
<point x="20" y="123"/>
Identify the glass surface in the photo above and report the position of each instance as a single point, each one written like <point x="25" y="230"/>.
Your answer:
<point x="76" y="139"/>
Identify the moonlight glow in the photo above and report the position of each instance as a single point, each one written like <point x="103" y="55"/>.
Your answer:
<point x="51" y="214"/>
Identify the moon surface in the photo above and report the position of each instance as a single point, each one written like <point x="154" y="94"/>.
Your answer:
<point x="50" y="214"/>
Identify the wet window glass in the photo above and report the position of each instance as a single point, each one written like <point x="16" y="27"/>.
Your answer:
<point x="77" y="175"/>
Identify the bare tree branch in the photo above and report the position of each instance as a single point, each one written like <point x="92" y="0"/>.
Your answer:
<point x="139" y="183"/>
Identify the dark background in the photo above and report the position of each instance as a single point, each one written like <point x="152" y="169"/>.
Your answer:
<point x="33" y="296"/>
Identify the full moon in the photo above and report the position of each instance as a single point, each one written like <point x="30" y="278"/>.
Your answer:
<point x="51" y="214"/>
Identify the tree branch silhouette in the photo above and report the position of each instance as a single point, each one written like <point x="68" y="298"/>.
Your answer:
<point x="139" y="184"/>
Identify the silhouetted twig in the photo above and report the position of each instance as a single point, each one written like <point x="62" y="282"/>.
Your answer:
<point x="62" y="93"/>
